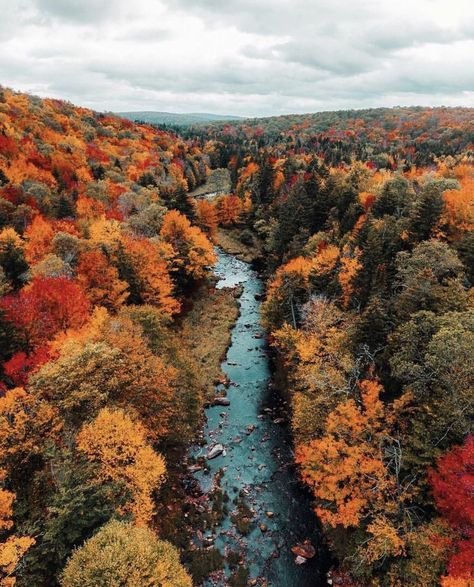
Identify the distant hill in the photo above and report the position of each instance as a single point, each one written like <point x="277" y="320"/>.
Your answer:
<point x="174" y="119"/>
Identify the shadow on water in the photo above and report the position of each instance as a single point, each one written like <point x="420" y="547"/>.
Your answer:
<point x="257" y="463"/>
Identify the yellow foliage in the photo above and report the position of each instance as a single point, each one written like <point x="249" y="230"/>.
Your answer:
<point x="9" y="238"/>
<point x="120" y="554"/>
<point x="118" y="445"/>
<point x="325" y="260"/>
<point x="384" y="541"/>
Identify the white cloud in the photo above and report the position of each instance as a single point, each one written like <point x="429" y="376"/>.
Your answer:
<point x="247" y="57"/>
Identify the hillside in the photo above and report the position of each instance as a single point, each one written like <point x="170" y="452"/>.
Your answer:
<point x="99" y="392"/>
<point x="367" y="225"/>
<point x="175" y="119"/>
<point x="381" y="136"/>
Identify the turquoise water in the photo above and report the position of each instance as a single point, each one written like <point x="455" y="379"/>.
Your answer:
<point x="257" y="465"/>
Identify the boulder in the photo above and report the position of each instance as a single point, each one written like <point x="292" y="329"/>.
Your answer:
<point x="194" y="468"/>
<point x="221" y="400"/>
<point x="300" y="560"/>
<point x="215" y="451"/>
<point x="305" y="549"/>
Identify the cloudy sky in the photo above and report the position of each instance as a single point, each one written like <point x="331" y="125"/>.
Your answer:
<point x="244" y="57"/>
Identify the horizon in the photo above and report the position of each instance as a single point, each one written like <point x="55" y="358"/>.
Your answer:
<point x="241" y="117"/>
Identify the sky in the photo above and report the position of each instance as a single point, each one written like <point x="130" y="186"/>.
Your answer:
<point x="240" y="57"/>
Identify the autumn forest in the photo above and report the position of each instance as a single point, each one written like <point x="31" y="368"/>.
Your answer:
<point x="114" y="331"/>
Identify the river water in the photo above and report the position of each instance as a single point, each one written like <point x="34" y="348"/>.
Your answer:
<point x="257" y="463"/>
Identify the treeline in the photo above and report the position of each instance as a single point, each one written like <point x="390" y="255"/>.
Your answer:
<point x="98" y="392"/>
<point x="370" y="310"/>
<point x="390" y="138"/>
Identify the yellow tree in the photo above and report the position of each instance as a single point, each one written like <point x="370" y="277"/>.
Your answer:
<point x="13" y="547"/>
<point x="319" y="365"/>
<point x="122" y="554"/>
<point x="118" y="445"/>
<point x="193" y="253"/>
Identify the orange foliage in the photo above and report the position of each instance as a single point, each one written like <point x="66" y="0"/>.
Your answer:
<point x="345" y="468"/>
<point x="207" y="217"/>
<point x="350" y="266"/>
<point x="459" y="206"/>
<point x="89" y="209"/>
<point x="229" y="209"/>
<point x="100" y="280"/>
<point x="38" y="236"/>
<point x="150" y="262"/>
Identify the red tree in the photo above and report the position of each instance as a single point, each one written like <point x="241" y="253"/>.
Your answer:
<point x="453" y="490"/>
<point x="46" y="306"/>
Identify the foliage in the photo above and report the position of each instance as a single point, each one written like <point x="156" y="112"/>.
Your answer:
<point x="121" y="554"/>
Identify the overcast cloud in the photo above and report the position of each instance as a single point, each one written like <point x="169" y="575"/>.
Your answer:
<point x="244" y="57"/>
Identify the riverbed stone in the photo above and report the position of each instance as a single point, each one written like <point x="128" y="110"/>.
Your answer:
<point x="215" y="451"/>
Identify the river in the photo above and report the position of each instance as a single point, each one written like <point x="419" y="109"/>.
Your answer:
<point x="257" y="463"/>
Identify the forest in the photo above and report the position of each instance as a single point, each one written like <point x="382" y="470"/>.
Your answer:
<point x="363" y="223"/>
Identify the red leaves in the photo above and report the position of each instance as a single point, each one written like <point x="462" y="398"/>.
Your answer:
<point x="45" y="307"/>
<point x="8" y="146"/>
<point x="21" y="365"/>
<point x="94" y="153"/>
<point x="453" y="485"/>
<point x="453" y="490"/>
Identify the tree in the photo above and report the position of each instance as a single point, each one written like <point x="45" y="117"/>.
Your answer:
<point x="350" y="266"/>
<point x="12" y="258"/>
<point x="319" y="365"/>
<point x="430" y="356"/>
<point x="459" y="214"/>
<point x="229" y="209"/>
<point x="193" y="254"/>
<point x="346" y="468"/>
<point x="429" y="278"/>
<point x="26" y="424"/>
<point x="110" y="363"/>
<point x="12" y="548"/>
<point x="46" y="307"/>
<point x="122" y="555"/>
<point x="427" y="211"/>
<point x="148" y="221"/>
<point x="38" y="237"/>
<point x="118" y="445"/>
<point x="145" y="266"/>
<point x="207" y="217"/>
<point x="100" y="280"/>
<point x="453" y="488"/>
<point x="286" y="293"/>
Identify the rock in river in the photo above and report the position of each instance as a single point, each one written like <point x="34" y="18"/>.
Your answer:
<point x="215" y="451"/>
<point x="221" y="400"/>
<point x="305" y="549"/>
